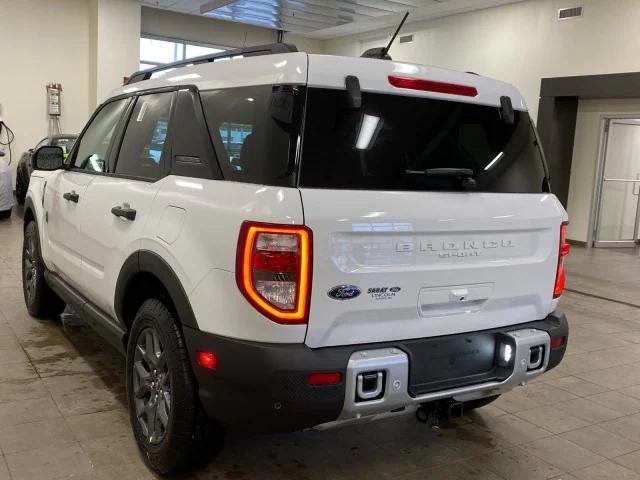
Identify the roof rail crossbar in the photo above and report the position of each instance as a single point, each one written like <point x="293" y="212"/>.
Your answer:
<point x="258" y="50"/>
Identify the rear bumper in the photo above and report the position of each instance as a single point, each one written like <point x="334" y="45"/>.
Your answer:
<point x="263" y="386"/>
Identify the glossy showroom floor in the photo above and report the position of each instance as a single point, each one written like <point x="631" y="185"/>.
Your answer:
<point x="62" y="413"/>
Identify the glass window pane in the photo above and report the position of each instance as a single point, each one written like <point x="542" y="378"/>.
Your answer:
<point x="197" y="50"/>
<point x="401" y="142"/>
<point x="92" y="151"/>
<point x="146" y="66"/>
<point x="143" y="143"/>
<point x="160" y="51"/>
<point x="252" y="129"/>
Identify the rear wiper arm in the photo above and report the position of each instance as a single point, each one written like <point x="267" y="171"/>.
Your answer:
<point x="465" y="174"/>
<point x="443" y="172"/>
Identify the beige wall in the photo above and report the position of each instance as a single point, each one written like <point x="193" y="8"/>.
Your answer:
<point x="43" y="42"/>
<point x="85" y="45"/>
<point x="193" y="28"/>
<point x="521" y="43"/>
<point x="585" y="156"/>
<point x="115" y="31"/>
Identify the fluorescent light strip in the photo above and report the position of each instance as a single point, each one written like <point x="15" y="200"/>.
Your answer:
<point x="367" y="129"/>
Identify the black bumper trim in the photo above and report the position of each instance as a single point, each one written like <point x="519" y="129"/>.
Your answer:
<point x="263" y="386"/>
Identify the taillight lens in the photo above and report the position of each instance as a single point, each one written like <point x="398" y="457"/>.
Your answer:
<point x="563" y="252"/>
<point x="433" y="86"/>
<point x="273" y="270"/>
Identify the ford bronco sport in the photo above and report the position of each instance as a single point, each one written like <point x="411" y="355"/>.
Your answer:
<point x="279" y="240"/>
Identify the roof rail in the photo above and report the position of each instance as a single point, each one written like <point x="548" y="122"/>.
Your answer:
<point x="258" y="50"/>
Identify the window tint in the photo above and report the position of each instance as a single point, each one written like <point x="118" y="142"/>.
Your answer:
<point x="91" y="153"/>
<point x="403" y="143"/>
<point x="252" y="129"/>
<point x="143" y="145"/>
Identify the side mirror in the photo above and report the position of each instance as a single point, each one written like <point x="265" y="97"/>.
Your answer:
<point x="48" y="158"/>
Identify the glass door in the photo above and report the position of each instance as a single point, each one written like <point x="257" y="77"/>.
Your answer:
<point x="619" y="209"/>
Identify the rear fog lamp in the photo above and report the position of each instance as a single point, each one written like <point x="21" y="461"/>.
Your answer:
<point x="325" y="378"/>
<point x="557" y="342"/>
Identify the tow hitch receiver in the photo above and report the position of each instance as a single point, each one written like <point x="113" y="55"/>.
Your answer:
<point x="433" y="413"/>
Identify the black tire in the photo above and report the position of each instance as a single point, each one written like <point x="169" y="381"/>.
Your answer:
<point x="21" y="188"/>
<point x="170" y="426"/>
<point x="41" y="301"/>
<point x="479" y="403"/>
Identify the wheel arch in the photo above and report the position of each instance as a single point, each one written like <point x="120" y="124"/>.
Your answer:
<point x="146" y="275"/>
<point x="29" y="212"/>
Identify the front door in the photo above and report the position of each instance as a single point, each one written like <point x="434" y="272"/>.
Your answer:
<point x="618" y="213"/>
<point x="66" y="192"/>
<point x="118" y="205"/>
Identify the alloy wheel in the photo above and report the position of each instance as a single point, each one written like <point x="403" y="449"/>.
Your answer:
<point x="151" y="386"/>
<point x="29" y="267"/>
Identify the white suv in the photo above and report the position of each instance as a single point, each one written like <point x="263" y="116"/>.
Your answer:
<point x="281" y="241"/>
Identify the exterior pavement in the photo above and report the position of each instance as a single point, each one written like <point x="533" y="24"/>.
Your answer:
<point x="62" y="408"/>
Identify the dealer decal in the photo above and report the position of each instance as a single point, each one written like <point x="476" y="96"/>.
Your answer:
<point x="383" y="293"/>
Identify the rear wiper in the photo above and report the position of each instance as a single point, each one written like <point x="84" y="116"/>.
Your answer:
<point x="465" y="174"/>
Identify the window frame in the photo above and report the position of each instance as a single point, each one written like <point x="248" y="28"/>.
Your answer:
<point x="165" y="159"/>
<point x="74" y="151"/>
<point x="118" y="135"/>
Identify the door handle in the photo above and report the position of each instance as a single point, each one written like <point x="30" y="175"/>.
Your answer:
<point x="71" y="197"/>
<point x="124" y="211"/>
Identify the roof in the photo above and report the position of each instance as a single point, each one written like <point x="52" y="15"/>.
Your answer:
<point x="328" y="71"/>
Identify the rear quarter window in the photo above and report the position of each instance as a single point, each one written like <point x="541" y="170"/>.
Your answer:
<point x="254" y="131"/>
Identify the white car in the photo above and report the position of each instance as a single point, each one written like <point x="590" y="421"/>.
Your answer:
<point x="283" y="240"/>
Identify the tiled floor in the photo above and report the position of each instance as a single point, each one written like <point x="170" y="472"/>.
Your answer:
<point x="62" y="413"/>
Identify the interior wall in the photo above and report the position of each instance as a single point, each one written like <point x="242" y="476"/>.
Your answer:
<point x="115" y="31"/>
<point x="43" y="42"/>
<point x="164" y="23"/>
<point x="519" y="43"/>
<point x="585" y="158"/>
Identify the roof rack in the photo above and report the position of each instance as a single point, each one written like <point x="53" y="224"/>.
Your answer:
<point x="258" y="50"/>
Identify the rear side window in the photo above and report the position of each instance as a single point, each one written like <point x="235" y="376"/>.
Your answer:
<point x="409" y="143"/>
<point x="91" y="153"/>
<point x="254" y="132"/>
<point x="142" y="153"/>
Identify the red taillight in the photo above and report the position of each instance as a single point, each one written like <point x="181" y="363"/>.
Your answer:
<point x="433" y="86"/>
<point x="273" y="270"/>
<point x="329" y="378"/>
<point x="207" y="360"/>
<point x="563" y="252"/>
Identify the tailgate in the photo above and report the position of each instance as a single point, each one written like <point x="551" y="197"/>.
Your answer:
<point x="428" y="264"/>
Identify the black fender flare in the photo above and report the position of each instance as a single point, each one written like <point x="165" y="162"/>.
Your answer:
<point x="150" y="262"/>
<point x="28" y="205"/>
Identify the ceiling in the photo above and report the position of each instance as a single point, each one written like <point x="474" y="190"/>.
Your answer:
<point x="323" y="19"/>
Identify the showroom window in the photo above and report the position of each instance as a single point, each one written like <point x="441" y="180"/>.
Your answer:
<point x="155" y="51"/>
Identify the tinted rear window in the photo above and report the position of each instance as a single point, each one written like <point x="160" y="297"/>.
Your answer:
<point x="254" y="132"/>
<point x="392" y="140"/>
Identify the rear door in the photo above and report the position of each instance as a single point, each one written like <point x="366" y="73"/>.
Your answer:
<point x="435" y="211"/>
<point x="118" y="205"/>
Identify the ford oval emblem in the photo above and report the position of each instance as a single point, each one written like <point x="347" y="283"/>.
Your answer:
<point x="344" y="292"/>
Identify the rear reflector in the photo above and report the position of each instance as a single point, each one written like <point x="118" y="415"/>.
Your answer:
<point x="273" y="270"/>
<point x="207" y="360"/>
<point x="557" y="342"/>
<point x="563" y="252"/>
<point x="433" y="86"/>
<point x="332" y="378"/>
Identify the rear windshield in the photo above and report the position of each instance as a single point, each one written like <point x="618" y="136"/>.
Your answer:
<point x="402" y="143"/>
